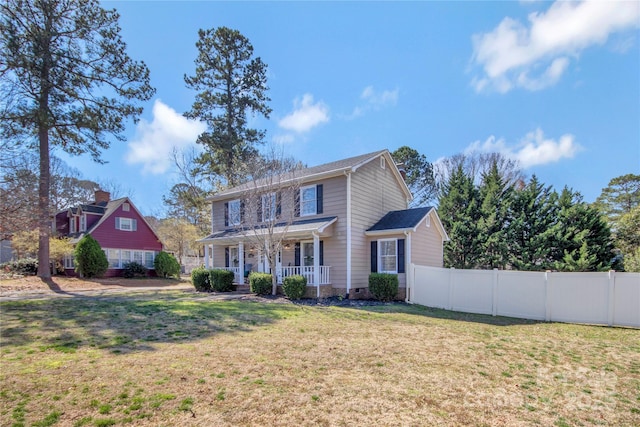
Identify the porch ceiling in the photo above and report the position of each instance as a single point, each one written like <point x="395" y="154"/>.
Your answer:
<point x="303" y="228"/>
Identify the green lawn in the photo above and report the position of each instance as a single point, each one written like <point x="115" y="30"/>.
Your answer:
<point x="176" y="358"/>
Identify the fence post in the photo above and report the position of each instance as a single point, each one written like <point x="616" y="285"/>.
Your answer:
<point x="451" y="272"/>
<point x="547" y="299"/>
<point x="611" y="308"/>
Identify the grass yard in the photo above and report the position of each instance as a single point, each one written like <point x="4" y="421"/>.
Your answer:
<point x="180" y="359"/>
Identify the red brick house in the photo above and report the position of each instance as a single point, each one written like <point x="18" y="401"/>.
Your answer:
<point x="122" y="232"/>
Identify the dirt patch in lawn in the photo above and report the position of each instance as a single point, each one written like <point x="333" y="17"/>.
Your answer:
<point x="35" y="285"/>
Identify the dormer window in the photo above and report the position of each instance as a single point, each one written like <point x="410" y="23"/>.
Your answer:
<point x="83" y="222"/>
<point x="72" y="224"/>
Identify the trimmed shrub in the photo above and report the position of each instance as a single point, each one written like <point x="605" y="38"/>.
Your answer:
<point x="25" y="267"/>
<point x="221" y="280"/>
<point x="91" y="260"/>
<point x="166" y="265"/>
<point x="294" y="287"/>
<point x="134" y="269"/>
<point x="383" y="287"/>
<point x="260" y="283"/>
<point x="200" y="279"/>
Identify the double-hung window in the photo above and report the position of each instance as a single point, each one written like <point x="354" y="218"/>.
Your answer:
<point x="308" y="200"/>
<point x="387" y="254"/>
<point x="269" y="206"/>
<point x="234" y="212"/>
<point x="72" y="224"/>
<point x="83" y="222"/>
<point x="126" y="224"/>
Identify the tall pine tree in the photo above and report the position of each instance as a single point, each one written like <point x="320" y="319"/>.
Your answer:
<point x="532" y="213"/>
<point x="459" y="210"/>
<point x="495" y="197"/>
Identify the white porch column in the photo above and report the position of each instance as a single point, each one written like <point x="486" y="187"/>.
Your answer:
<point x="241" y="262"/>
<point x="316" y="262"/>
<point x="206" y="256"/>
<point x="407" y="269"/>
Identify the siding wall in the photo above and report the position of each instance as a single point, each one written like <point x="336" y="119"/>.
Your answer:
<point x="426" y="245"/>
<point x="374" y="192"/>
<point x="335" y="246"/>
<point x="142" y="239"/>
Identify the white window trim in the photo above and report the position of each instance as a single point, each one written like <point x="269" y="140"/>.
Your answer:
<point x="380" y="265"/>
<point x="125" y="207"/>
<point x="383" y="162"/>
<point x="273" y="207"/>
<point x="315" y="200"/>
<point x="83" y="222"/>
<point x="72" y="224"/>
<point x="230" y="218"/>
<point x="122" y="262"/>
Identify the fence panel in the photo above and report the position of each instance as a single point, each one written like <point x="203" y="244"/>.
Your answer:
<point x="472" y="291"/>
<point x="626" y="299"/>
<point x="521" y="294"/>
<point x="599" y="298"/>
<point x="579" y="297"/>
<point x="431" y="286"/>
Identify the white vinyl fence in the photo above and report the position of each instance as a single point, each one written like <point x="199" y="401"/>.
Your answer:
<point x="609" y="298"/>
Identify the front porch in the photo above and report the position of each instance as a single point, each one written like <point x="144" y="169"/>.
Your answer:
<point x="298" y="249"/>
<point x="308" y="272"/>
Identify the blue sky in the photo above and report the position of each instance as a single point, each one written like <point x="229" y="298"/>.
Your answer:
<point x="555" y="85"/>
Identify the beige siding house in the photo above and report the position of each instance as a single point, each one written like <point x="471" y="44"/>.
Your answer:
<point x="337" y="223"/>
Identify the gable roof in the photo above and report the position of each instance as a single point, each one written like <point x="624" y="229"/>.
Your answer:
<point x="401" y="220"/>
<point x="405" y="220"/>
<point x="314" y="173"/>
<point x="107" y="209"/>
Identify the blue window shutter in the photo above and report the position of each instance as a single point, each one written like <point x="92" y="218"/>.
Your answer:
<point x="401" y="256"/>
<point x="374" y="256"/>
<point x="241" y="211"/>
<point x="117" y="223"/>
<point x="319" y="198"/>
<point x="259" y="210"/>
<point x="321" y="252"/>
<point x="297" y="254"/>
<point x="226" y="257"/>
<point x="134" y="224"/>
<point x="226" y="214"/>
<point x="297" y="203"/>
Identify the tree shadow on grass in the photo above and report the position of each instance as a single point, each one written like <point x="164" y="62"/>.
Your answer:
<point x="438" y="313"/>
<point x="127" y="323"/>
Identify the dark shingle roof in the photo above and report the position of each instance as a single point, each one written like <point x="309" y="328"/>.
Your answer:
<point x="337" y="166"/>
<point x="399" y="220"/>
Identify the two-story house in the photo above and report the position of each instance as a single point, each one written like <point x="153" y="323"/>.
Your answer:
<point x="117" y="225"/>
<point x="345" y="220"/>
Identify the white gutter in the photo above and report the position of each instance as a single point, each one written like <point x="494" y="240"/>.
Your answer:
<point x="348" y="232"/>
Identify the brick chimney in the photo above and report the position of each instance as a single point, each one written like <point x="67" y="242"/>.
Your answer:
<point x="102" y="196"/>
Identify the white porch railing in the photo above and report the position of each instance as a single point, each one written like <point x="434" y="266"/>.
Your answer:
<point x="308" y="273"/>
<point x="236" y="273"/>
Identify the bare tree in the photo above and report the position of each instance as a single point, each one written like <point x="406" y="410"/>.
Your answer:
<point x="476" y="164"/>
<point x="269" y="205"/>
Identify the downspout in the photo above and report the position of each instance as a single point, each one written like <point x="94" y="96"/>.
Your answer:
<point x="408" y="273"/>
<point x="348" y="173"/>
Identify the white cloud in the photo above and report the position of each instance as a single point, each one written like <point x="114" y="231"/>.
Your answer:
<point x="155" y="140"/>
<point x="512" y="53"/>
<point x="380" y="99"/>
<point x="532" y="150"/>
<point x="374" y="100"/>
<point x="306" y="115"/>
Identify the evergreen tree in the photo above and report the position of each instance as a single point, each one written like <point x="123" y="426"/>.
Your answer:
<point x="619" y="197"/>
<point x="231" y="84"/>
<point x="90" y="259"/>
<point x="495" y="198"/>
<point x="72" y="84"/>
<point x="581" y="235"/>
<point x="458" y="208"/>
<point x="532" y="213"/>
